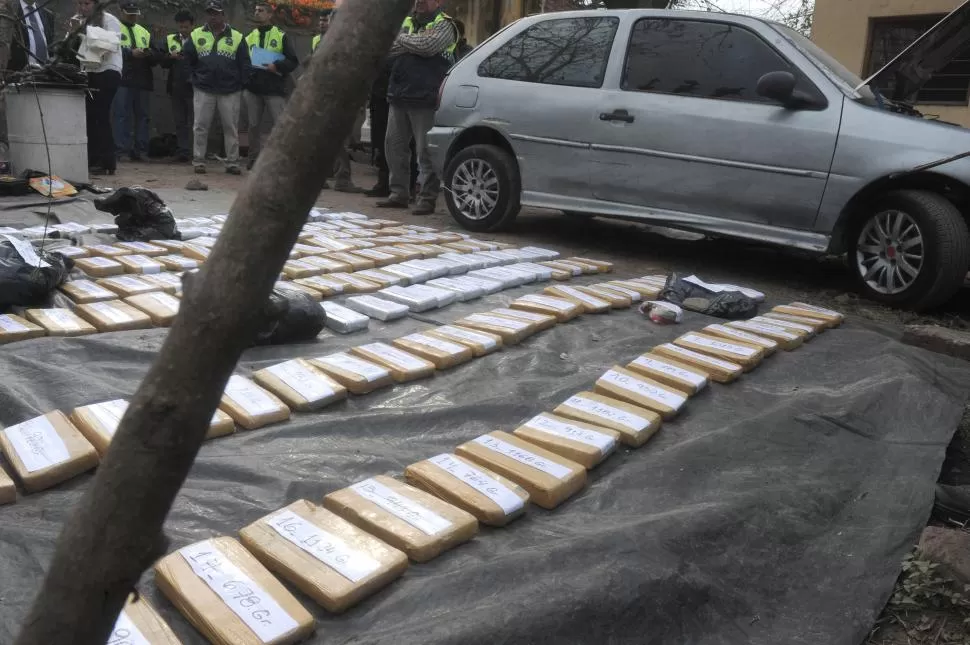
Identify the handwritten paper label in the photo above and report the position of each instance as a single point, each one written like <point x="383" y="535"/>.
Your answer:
<point x="697" y="380"/>
<point x="254" y="606"/>
<point x="522" y="315"/>
<point x="766" y="329"/>
<point x="110" y="312"/>
<point x="435" y="343"/>
<point x="141" y="246"/>
<point x="101" y="262"/>
<point x="808" y="323"/>
<point x="401" y="507"/>
<point x="488" y="486"/>
<point x="782" y="322"/>
<point x="545" y="423"/>
<point x="311" y="386"/>
<point x="523" y="456"/>
<point x="474" y="337"/>
<point x="721" y="346"/>
<point x="26" y="251"/>
<point x="63" y="319"/>
<point x="741" y="335"/>
<point x="583" y="297"/>
<point x="395" y="356"/>
<point x="604" y="411"/>
<point x="496" y="321"/>
<point x="37" y="444"/>
<point x="702" y="358"/>
<point x="109" y="414"/>
<point x="816" y="309"/>
<point x="354" y="365"/>
<point x="645" y="389"/>
<point x="250" y="397"/>
<point x="125" y="632"/>
<point x="131" y="284"/>
<point x="553" y="303"/>
<point x="107" y="249"/>
<point x="324" y="546"/>
<point x="9" y="324"/>
<point x="170" y="303"/>
<point x="90" y="289"/>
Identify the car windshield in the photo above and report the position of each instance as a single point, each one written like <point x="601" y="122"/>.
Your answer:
<point x="846" y="80"/>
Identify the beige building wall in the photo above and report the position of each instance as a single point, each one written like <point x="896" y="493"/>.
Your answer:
<point x="841" y="27"/>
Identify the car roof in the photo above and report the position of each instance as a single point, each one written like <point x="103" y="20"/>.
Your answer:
<point x="649" y="13"/>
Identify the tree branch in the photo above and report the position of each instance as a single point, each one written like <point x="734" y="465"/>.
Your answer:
<point x="115" y="532"/>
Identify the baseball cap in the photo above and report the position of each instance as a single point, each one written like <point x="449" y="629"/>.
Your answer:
<point x="130" y="7"/>
<point x="214" y="6"/>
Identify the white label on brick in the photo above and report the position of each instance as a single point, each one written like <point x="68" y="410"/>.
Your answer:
<point x="629" y="293"/>
<point x="545" y="423"/>
<point x="521" y="315"/>
<point x="140" y="246"/>
<point x="701" y="358"/>
<point x="249" y="397"/>
<point x="125" y="632"/>
<point x="650" y="362"/>
<point x="591" y="406"/>
<point x="324" y="546"/>
<point x="471" y="336"/>
<point x="37" y="444"/>
<point x="782" y="322"/>
<point x="183" y="262"/>
<point x="106" y="248"/>
<point x="418" y="516"/>
<point x="495" y="321"/>
<point x="128" y="283"/>
<point x="9" y="324"/>
<point x="91" y="289"/>
<point x="583" y="297"/>
<point x="101" y="262"/>
<point x="238" y="591"/>
<point x="349" y="363"/>
<point x="169" y="302"/>
<point x="304" y="382"/>
<point x="109" y="414"/>
<point x="767" y="329"/>
<point x="488" y="486"/>
<point x="110" y="312"/>
<point x="63" y="319"/>
<point x="816" y="309"/>
<point x="645" y="389"/>
<point x="720" y="345"/>
<point x="740" y="335"/>
<point x="147" y="264"/>
<point x="395" y="356"/>
<point x="554" y="303"/>
<point x="374" y="254"/>
<point x="436" y="343"/>
<point x="524" y="456"/>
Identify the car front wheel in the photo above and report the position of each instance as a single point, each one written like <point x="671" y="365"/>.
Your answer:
<point x="483" y="188"/>
<point x="910" y="250"/>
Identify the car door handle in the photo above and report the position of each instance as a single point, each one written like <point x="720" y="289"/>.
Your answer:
<point x="617" y="115"/>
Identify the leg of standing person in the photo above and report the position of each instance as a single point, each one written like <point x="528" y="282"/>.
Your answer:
<point x="91" y="121"/>
<point x="378" y="130"/>
<point x="182" y="115"/>
<point x="414" y="178"/>
<point x="254" y="111"/>
<point x="422" y="119"/>
<point x="101" y="140"/>
<point x="229" y="105"/>
<point x="396" y="148"/>
<point x="342" y="178"/>
<point x="204" y="107"/>
<point x="140" y="108"/>
<point x="121" y="115"/>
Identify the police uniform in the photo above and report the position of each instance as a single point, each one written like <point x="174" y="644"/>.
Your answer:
<point x="131" y="104"/>
<point x="265" y="91"/>
<point x="179" y="88"/>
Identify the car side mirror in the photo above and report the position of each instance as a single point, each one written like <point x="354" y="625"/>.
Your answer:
<point x="780" y="87"/>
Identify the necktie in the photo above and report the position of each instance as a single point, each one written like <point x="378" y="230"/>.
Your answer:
<point x="40" y="44"/>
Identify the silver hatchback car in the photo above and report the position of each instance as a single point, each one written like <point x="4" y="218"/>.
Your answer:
<point x="717" y="123"/>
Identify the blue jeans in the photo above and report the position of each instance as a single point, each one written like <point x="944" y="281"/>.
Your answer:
<point x="130" y="101"/>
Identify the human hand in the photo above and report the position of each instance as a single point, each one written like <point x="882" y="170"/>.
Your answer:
<point x="272" y="68"/>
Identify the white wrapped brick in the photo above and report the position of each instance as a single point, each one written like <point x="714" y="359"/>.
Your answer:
<point x="444" y="297"/>
<point x="488" y="285"/>
<point x="465" y="291"/>
<point x="414" y="302"/>
<point x="377" y="307"/>
<point x="343" y="320"/>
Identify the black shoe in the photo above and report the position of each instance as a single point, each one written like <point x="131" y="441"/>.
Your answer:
<point x="379" y="190"/>
<point x="183" y="158"/>
<point x="424" y="207"/>
<point x="251" y="163"/>
<point x="135" y="156"/>
<point x="392" y="202"/>
<point x="233" y="170"/>
<point x="347" y="187"/>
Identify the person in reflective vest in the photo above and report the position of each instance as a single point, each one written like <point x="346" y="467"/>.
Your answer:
<point x="423" y="53"/>
<point x="179" y="83"/>
<point x="273" y="59"/>
<point x="131" y="103"/>
<point x="219" y="60"/>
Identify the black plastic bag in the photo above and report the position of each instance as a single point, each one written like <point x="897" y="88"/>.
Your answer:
<point x="290" y="317"/>
<point x="732" y="305"/>
<point x="24" y="284"/>
<point x="140" y="214"/>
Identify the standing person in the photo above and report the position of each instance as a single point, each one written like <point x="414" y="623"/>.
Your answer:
<point x="179" y="83"/>
<point x="423" y="53"/>
<point x="103" y="81"/>
<point x="462" y="49"/>
<point x="219" y="60"/>
<point x="378" y="130"/>
<point x="266" y="89"/>
<point x="32" y="36"/>
<point x="136" y="84"/>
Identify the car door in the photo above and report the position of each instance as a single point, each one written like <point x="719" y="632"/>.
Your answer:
<point x="684" y="133"/>
<point x="541" y="89"/>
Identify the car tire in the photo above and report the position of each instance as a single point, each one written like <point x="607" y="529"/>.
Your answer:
<point x="911" y="249"/>
<point x="483" y="188"/>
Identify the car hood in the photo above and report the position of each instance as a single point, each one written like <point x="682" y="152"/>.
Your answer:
<point x="927" y="55"/>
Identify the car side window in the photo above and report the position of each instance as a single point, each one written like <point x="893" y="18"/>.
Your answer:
<point x="703" y="59"/>
<point x="567" y="51"/>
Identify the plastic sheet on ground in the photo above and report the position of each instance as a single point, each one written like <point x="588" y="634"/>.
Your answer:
<point x="774" y="511"/>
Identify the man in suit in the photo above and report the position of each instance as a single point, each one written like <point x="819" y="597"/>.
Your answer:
<point x="33" y="36"/>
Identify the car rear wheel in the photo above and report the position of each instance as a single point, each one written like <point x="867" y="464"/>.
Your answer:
<point x="911" y="250"/>
<point x="483" y="188"/>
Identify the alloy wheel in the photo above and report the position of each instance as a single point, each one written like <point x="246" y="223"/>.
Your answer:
<point x="890" y="252"/>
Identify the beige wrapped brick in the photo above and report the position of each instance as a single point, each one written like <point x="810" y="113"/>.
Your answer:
<point x="570" y="270"/>
<point x="140" y="264"/>
<point x="813" y="311"/>
<point x="747" y="356"/>
<point x="170" y="283"/>
<point x="717" y="370"/>
<point x="151" y="628"/>
<point x="622" y="384"/>
<point x="114" y="315"/>
<point x="601" y="265"/>
<point x="732" y="334"/>
<point x="354" y="283"/>
<point x="634" y="424"/>
<point x="296" y="269"/>
<point x="14" y="328"/>
<point x="82" y="292"/>
<point x="302" y="288"/>
<point x="382" y="278"/>
<point x="161" y="308"/>
<point x="193" y="577"/>
<point x="646" y="292"/>
<point x="106" y="250"/>
<point x="590" y="303"/>
<point x="300" y="385"/>
<point x="354" y="373"/>
<point x="616" y="299"/>
<point x="480" y="342"/>
<point x="805" y="332"/>
<point x="577" y="441"/>
<point x="583" y="266"/>
<point x="403" y="254"/>
<point x="356" y="262"/>
<point x="442" y="353"/>
<point x="324" y="285"/>
<point x="128" y="285"/>
<point x="308" y="250"/>
<point x="8" y="490"/>
<point x="510" y="331"/>
<point x="539" y="322"/>
<point x="563" y="310"/>
<point x="491" y="498"/>
<point x="251" y="406"/>
<point x="172" y="246"/>
<point x="549" y="478"/>
<point x="786" y="339"/>
<point x="408" y="519"/>
<point x="403" y="366"/>
<point x="60" y="322"/>
<point x="221" y="425"/>
<point x="99" y="422"/>
<point x="143" y="248"/>
<point x="46" y="450"/>
<point x="325" y="556"/>
<point x="379" y="258"/>
<point x="669" y="372"/>
<point x="196" y="252"/>
<point x="99" y="267"/>
<point x="816" y="324"/>
<point x="462" y="247"/>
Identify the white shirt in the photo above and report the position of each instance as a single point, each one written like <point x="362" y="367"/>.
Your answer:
<point x="114" y="60"/>
<point x="31" y="36"/>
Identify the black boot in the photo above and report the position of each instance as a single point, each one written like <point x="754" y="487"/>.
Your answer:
<point x="382" y="188"/>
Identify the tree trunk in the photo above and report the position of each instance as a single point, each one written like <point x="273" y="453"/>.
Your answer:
<point x="115" y="532"/>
